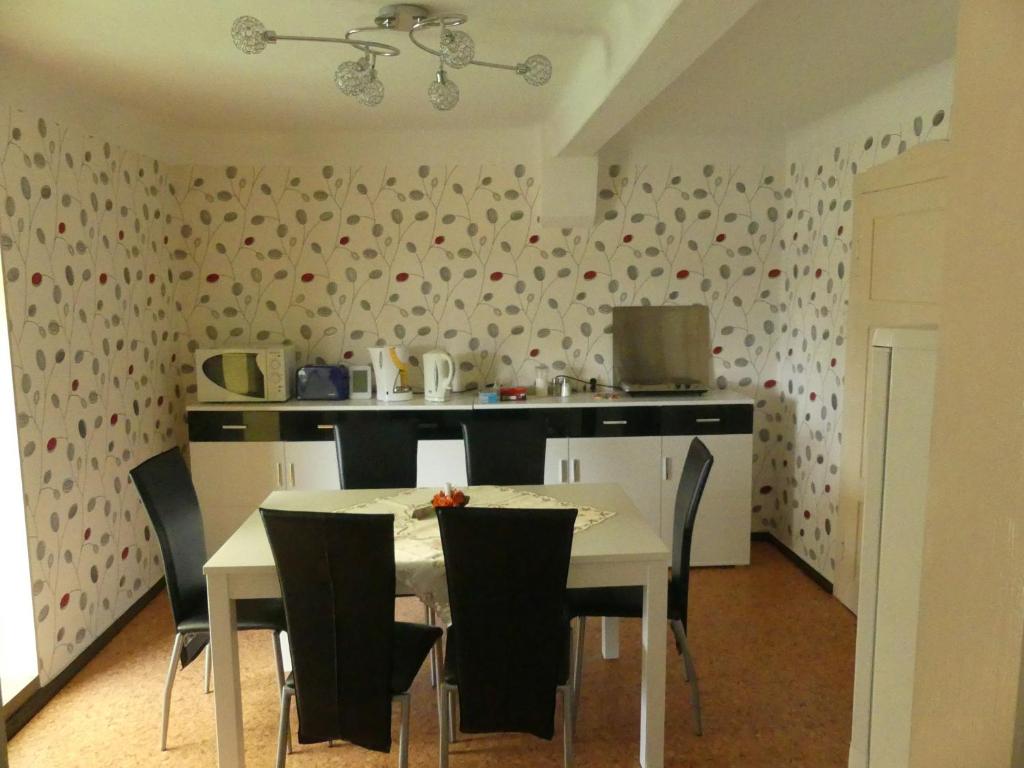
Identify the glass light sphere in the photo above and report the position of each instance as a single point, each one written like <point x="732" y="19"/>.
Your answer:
<point x="372" y="93"/>
<point x="536" y="70"/>
<point x="443" y="93"/>
<point x="457" y="48"/>
<point x="352" y="76"/>
<point x="247" y="34"/>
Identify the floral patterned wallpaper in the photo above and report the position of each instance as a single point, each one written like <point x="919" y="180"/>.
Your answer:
<point x="340" y="259"/>
<point x="815" y="250"/>
<point x="117" y="268"/>
<point x="82" y="240"/>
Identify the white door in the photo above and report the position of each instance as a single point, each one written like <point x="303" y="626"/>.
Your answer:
<point x="632" y="462"/>
<point x="899" y="226"/>
<point x="311" y="465"/>
<point x="721" y="535"/>
<point x="556" y="461"/>
<point x="231" y="480"/>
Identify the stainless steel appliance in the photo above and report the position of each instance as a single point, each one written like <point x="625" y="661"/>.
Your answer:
<point x="661" y="350"/>
<point x="245" y="374"/>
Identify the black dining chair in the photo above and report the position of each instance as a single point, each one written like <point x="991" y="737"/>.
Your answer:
<point x="506" y="450"/>
<point x="350" y="658"/>
<point x="166" y="489"/>
<point x="381" y="453"/>
<point x="628" y="602"/>
<point x="376" y="453"/>
<point x="509" y="641"/>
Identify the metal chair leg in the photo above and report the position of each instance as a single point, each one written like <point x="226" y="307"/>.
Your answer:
<point x="577" y="675"/>
<point x="435" y="652"/>
<point x="284" y="728"/>
<point x="568" y="720"/>
<point x="690" y="672"/>
<point x="278" y="659"/>
<point x="442" y="721"/>
<point x="452" y="730"/>
<point x="208" y="666"/>
<point x="403" y="733"/>
<point x="279" y="668"/>
<point x="172" y="669"/>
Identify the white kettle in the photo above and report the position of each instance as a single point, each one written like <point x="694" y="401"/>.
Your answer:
<point x="438" y="373"/>
<point x="391" y="371"/>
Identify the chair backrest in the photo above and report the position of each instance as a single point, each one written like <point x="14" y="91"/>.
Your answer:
<point x="506" y="450"/>
<point x="694" y="477"/>
<point x="166" y="489"/>
<point x="378" y="452"/>
<point x="337" y="574"/>
<point x="506" y="571"/>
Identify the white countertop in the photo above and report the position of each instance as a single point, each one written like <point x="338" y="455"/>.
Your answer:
<point x="467" y="401"/>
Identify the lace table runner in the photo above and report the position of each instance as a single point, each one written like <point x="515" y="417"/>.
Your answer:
<point x="419" y="560"/>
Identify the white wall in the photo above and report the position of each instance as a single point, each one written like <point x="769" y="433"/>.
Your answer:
<point x="18" y="665"/>
<point x="816" y="254"/>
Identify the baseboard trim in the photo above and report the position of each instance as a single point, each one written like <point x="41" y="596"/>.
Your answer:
<point x="30" y="707"/>
<point x="794" y="558"/>
<point x="20" y="698"/>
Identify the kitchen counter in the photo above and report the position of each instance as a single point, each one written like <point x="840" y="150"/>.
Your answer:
<point x="242" y="451"/>
<point x="468" y="401"/>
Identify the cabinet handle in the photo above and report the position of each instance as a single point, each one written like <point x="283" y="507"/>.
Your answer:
<point x="575" y="470"/>
<point x="291" y="474"/>
<point x="615" y="422"/>
<point x="232" y="426"/>
<point x="325" y="426"/>
<point x="708" y="421"/>
<point x="280" y="475"/>
<point x="563" y="470"/>
<point x="666" y="468"/>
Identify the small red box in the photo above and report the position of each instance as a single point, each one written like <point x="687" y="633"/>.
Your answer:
<point x="512" y="393"/>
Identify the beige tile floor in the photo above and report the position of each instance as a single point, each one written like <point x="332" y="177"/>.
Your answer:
<point x="775" y="655"/>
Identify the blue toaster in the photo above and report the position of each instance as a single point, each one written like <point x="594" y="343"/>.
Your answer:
<point x="321" y="382"/>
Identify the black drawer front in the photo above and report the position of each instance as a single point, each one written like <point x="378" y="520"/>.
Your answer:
<point x="234" y="426"/>
<point x="558" y="422"/>
<point x="707" y="420"/>
<point x="630" y="421"/>
<point x="319" y="425"/>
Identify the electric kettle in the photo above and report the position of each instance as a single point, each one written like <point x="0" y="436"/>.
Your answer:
<point x="438" y="373"/>
<point x="391" y="371"/>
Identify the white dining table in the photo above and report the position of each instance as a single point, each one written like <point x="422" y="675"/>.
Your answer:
<point x="622" y="550"/>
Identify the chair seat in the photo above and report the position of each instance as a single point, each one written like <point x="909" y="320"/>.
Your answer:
<point x="450" y="675"/>
<point x="265" y="613"/>
<point x="618" y="602"/>
<point x="412" y="644"/>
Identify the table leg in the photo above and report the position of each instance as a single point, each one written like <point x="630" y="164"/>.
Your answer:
<point x="610" y="637"/>
<point x="228" y="690"/>
<point x="652" y="686"/>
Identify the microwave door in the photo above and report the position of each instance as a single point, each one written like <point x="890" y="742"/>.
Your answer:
<point x="236" y="372"/>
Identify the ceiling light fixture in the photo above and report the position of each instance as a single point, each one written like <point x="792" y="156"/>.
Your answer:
<point x="359" y="79"/>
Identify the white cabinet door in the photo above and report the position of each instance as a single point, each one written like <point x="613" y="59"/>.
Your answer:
<point x="632" y="462"/>
<point x="722" y="533"/>
<point x="439" y="462"/>
<point x="231" y="480"/>
<point x="556" y="461"/>
<point x="311" y="465"/>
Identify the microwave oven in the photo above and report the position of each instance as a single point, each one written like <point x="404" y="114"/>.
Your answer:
<point x="245" y="374"/>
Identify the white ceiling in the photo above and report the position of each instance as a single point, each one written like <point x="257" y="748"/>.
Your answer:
<point x="176" y="58"/>
<point x="730" y="66"/>
<point x="789" y="62"/>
